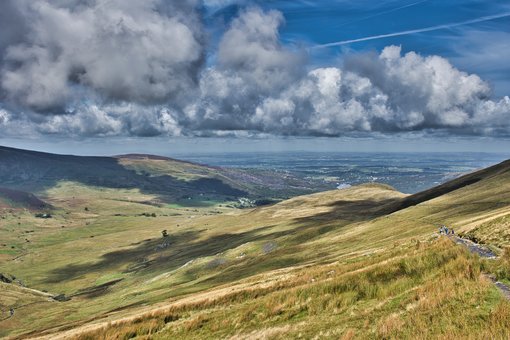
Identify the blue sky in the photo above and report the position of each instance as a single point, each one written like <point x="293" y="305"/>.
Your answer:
<point x="482" y="48"/>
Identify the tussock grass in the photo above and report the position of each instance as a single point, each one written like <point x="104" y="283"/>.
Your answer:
<point x="432" y="290"/>
<point x="500" y="267"/>
<point x="495" y="231"/>
<point x="140" y="327"/>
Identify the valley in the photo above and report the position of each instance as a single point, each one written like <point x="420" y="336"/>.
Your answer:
<point x="92" y="261"/>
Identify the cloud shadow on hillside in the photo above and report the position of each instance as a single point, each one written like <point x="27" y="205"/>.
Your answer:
<point x="186" y="246"/>
<point x="355" y="211"/>
<point x="181" y="248"/>
<point x="34" y="171"/>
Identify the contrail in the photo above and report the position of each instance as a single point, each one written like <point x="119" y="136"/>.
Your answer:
<point x="419" y="30"/>
<point x="383" y="12"/>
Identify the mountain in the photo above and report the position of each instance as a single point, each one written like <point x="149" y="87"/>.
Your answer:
<point x="170" y="180"/>
<point x="362" y="262"/>
<point x="496" y="172"/>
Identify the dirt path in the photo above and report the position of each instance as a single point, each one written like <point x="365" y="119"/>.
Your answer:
<point x="483" y="252"/>
<point x="474" y="247"/>
<point x="503" y="288"/>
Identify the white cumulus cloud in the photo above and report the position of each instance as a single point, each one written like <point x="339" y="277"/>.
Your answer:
<point x="129" y="67"/>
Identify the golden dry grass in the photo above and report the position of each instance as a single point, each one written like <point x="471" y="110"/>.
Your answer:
<point x="432" y="291"/>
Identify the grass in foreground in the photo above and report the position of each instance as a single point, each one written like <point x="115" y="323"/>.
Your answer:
<point x="416" y="290"/>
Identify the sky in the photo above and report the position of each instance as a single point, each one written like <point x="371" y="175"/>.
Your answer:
<point x="177" y="76"/>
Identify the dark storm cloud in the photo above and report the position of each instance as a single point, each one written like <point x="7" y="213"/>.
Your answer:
<point x="128" y="67"/>
<point x="12" y="26"/>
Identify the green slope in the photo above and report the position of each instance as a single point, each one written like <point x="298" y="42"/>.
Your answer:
<point x="498" y="172"/>
<point x="286" y="266"/>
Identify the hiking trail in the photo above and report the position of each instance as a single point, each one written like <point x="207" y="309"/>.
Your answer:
<point x="486" y="253"/>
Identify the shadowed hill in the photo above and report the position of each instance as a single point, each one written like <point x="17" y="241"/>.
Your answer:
<point x="171" y="180"/>
<point x="37" y="170"/>
<point x="460" y="202"/>
<point x="19" y="199"/>
<point x="458" y="183"/>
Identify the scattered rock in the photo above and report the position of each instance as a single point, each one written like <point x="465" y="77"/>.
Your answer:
<point x="216" y="263"/>
<point x="163" y="245"/>
<point x="4" y="279"/>
<point x="41" y="215"/>
<point x="61" y="298"/>
<point x="269" y="247"/>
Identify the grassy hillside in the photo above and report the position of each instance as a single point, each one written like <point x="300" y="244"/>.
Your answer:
<point x="169" y="180"/>
<point x="416" y="291"/>
<point x="205" y="248"/>
<point x="353" y="262"/>
<point x="499" y="172"/>
<point x="494" y="230"/>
